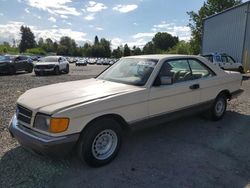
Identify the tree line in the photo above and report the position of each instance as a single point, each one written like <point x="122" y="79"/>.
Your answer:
<point x="162" y="42"/>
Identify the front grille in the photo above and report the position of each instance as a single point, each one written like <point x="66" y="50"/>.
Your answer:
<point x="23" y="114"/>
<point x="44" y="66"/>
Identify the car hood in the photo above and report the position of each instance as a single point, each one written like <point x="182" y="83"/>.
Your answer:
<point x="46" y="63"/>
<point x="53" y="98"/>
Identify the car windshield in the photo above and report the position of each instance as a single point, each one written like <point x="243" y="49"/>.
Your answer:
<point x="49" y="59"/>
<point x="6" y="58"/>
<point x="133" y="71"/>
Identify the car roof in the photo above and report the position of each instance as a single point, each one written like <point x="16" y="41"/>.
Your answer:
<point x="215" y="54"/>
<point x="162" y="56"/>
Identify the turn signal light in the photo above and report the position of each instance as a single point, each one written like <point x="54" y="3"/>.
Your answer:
<point x="58" y="125"/>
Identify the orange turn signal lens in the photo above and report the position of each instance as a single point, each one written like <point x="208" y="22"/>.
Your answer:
<point x="58" y="125"/>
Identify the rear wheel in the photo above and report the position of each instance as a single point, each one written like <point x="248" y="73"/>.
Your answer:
<point x="100" y="142"/>
<point x="241" y="70"/>
<point x="29" y="69"/>
<point x="219" y="107"/>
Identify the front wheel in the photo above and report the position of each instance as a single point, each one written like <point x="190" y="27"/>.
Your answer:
<point x="219" y="107"/>
<point x="30" y="69"/>
<point x="56" y="71"/>
<point x="241" y="70"/>
<point x="100" y="142"/>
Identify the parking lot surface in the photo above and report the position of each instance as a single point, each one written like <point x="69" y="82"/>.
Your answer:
<point x="188" y="152"/>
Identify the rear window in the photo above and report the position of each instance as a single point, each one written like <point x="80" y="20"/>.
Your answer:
<point x="209" y="57"/>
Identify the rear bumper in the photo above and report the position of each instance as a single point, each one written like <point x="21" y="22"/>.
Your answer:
<point x="40" y="143"/>
<point x="236" y="93"/>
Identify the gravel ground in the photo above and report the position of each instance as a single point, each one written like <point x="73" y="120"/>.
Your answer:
<point x="193" y="153"/>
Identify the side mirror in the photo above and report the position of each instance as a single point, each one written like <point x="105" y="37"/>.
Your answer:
<point x="166" y="80"/>
<point x="163" y="80"/>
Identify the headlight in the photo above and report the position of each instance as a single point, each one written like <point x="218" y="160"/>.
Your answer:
<point x="42" y="122"/>
<point x="50" y="124"/>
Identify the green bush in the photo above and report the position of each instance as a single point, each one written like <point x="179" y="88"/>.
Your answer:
<point x="36" y="51"/>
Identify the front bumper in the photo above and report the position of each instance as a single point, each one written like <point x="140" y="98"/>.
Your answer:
<point x="40" y="143"/>
<point x="44" y="70"/>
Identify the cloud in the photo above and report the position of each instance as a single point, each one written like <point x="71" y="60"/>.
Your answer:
<point x="143" y="35"/>
<point x="56" y="7"/>
<point x="52" y="19"/>
<point x="55" y="26"/>
<point x="95" y="7"/>
<point x="183" y="32"/>
<point x="38" y="17"/>
<point x="11" y="31"/>
<point x="90" y="17"/>
<point x="69" y="23"/>
<point x="125" y="8"/>
<point x="99" y="28"/>
<point x="64" y="16"/>
<point x="27" y="10"/>
<point x="56" y="34"/>
<point x="138" y="43"/>
<point x="115" y="42"/>
<point x="1" y="14"/>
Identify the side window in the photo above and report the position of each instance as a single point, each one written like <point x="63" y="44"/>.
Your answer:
<point x="224" y="59"/>
<point x="199" y="70"/>
<point x="230" y="59"/>
<point x="209" y="58"/>
<point x="217" y="58"/>
<point x="18" y="58"/>
<point x="178" y="70"/>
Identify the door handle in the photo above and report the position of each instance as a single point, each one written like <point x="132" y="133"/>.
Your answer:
<point x="195" y="86"/>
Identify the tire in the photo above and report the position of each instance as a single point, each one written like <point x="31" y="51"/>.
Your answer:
<point x="56" y="71"/>
<point x="241" y="70"/>
<point x="218" y="108"/>
<point x="67" y="70"/>
<point x="100" y="142"/>
<point x="30" y="69"/>
<point x="37" y="73"/>
<point x="12" y="70"/>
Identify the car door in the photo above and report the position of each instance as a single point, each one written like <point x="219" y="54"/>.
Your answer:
<point x="182" y="93"/>
<point x="226" y="64"/>
<point x="207" y="79"/>
<point x="24" y="62"/>
<point x="18" y="63"/>
<point x="234" y="65"/>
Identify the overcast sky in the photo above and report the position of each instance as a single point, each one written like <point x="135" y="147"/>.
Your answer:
<point x="120" y="21"/>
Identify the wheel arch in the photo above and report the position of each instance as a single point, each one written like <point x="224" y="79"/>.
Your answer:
<point x="116" y="117"/>
<point x="227" y="93"/>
